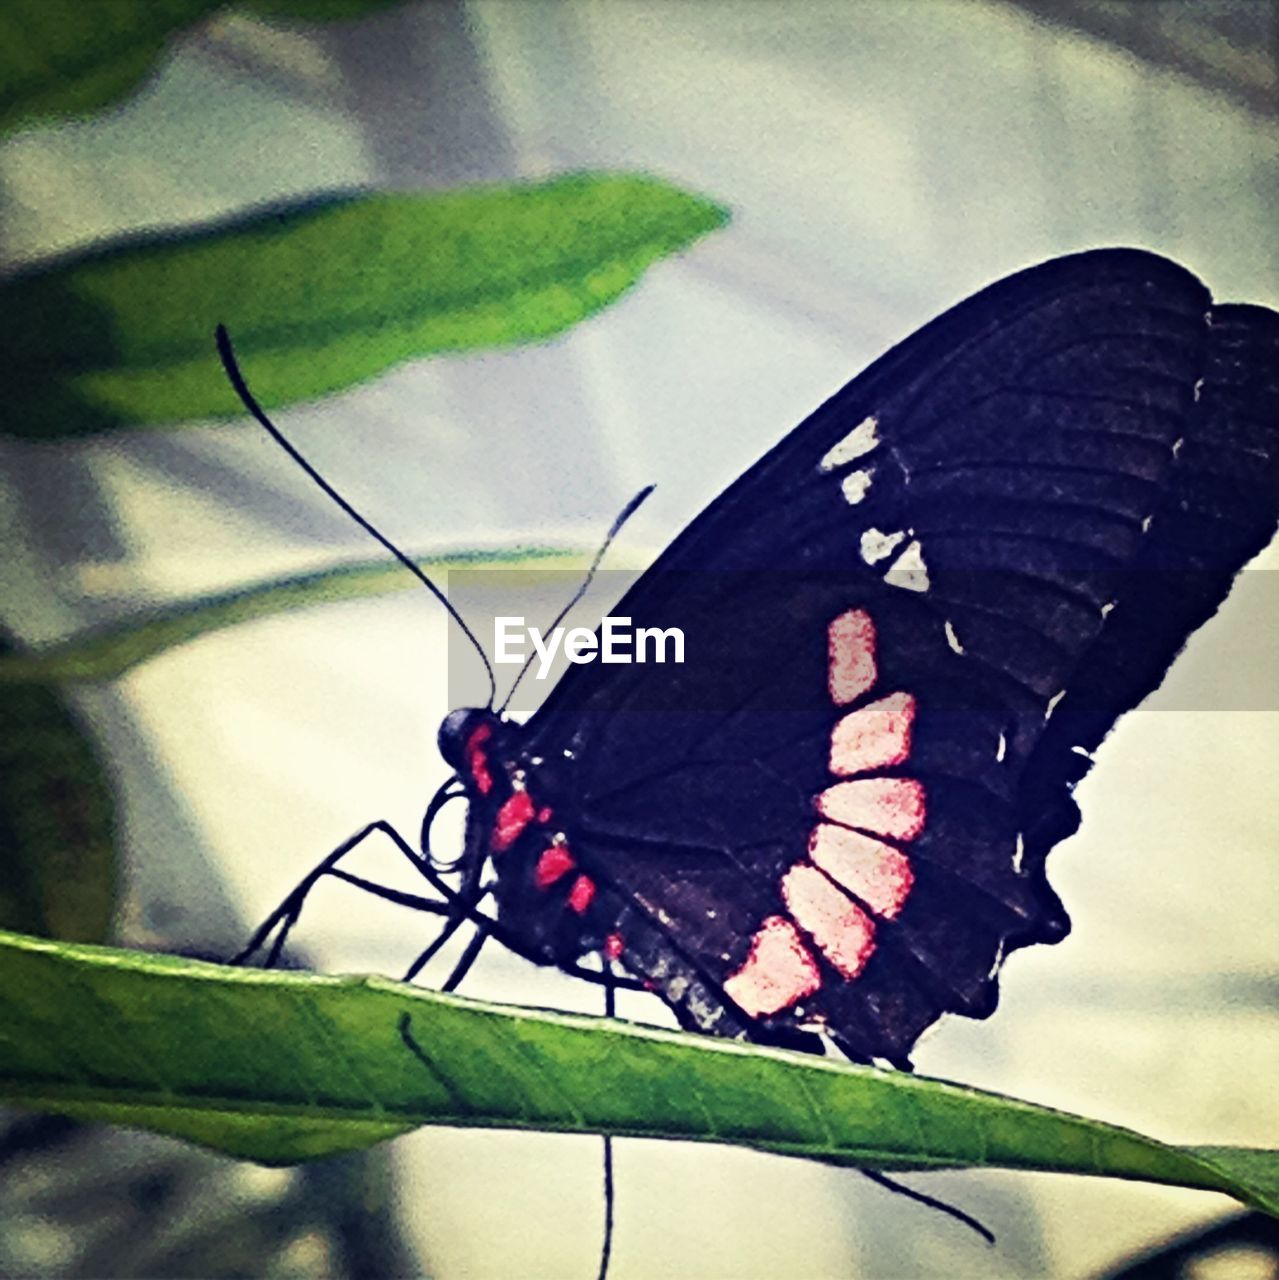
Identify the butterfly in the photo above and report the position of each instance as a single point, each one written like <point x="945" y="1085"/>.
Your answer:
<point x="907" y="629"/>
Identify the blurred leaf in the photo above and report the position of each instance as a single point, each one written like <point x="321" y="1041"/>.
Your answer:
<point x="57" y="856"/>
<point x="1244" y="1246"/>
<point x="315" y="10"/>
<point x="109" y="652"/>
<point x="282" y="1067"/>
<point x="71" y="57"/>
<point x="322" y="295"/>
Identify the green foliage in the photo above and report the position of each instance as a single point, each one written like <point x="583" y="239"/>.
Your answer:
<point x="57" y="856"/>
<point x="321" y="296"/>
<point x="281" y="1067"/>
<point x="315" y="10"/>
<point x="71" y="57"/>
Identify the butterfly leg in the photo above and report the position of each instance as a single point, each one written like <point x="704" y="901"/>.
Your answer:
<point x="901" y="1189"/>
<point x="460" y="909"/>
<point x="600" y="979"/>
<point x="462" y="902"/>
<point x="610" y="1198"/>
<point x="466" y="960"/>
<point x="285" y="916"/>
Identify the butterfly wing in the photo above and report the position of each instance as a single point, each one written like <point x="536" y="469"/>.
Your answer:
<point x="905" y="629"/>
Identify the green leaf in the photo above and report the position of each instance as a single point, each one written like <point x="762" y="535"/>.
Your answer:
<point x="71" y="57"/>
<point x="107" y="653"/>
<point x="66" y="57"/>
<point x="282" y="1067"/>
<point x="57" y="855"/>
<point x="323" y="295"/>
<point x="315" y="10"/>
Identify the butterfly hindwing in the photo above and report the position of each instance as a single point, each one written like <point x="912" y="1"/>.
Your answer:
<point x="905" y="628"/>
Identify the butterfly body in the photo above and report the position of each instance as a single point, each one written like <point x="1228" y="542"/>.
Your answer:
<point x="906" y="629"/>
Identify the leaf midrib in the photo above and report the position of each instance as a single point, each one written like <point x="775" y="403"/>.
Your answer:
<point x="362" y="1118"/>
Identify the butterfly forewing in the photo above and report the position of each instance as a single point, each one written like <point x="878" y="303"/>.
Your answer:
<point x="904" y="628"/>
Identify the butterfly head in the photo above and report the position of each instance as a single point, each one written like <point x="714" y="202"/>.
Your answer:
<point x="467" y="739"/>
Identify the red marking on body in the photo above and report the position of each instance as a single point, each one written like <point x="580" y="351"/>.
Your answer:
<point x="514" y="815"/>
<point x="778" y="971"/>
<point x="582" y="894"/>
<point x="850" y="645"/>
<point x="879" y="875"/>
<point x="555" y="862"/>
<point x="544" y="814"/>
<point x="875" y="737"/>
<point x="845" y="933"/>
<point x="613" y="946"/>
<point x="887" y="806"/>
<point x="477" y="760"/>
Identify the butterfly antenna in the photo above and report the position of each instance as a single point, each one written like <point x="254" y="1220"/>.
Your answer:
<point x="614" y="529"/>
<point x="901" y="1189"/>
<point x="236" y="378"/>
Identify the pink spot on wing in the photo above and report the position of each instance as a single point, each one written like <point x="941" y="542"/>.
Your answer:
<point x="878" y="874"/>
<point x="555" y="863"/>
<point x="778" y="971"/>
<point x="544" y="814"/>
<point x="875" y="737"/>
<point x="850" y="645"/>
<point x="582" y="894"/>
<point x="514" y="815"/>
<point x="845" y="933"/>
<point x="887" y="806"/>
<point x="477" y="758"/>
<point x="613" y="946"/>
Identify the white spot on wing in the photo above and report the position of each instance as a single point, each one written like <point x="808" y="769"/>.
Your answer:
<point x="952" y="639"/>
<point x="856" y="485"/>
<point x="861" y="439"/>
<point x="1107" y="607"/>
<point x="1002" y="750"/>
<point x="1053" y="701"/>
<point x="909" y="571"/>
<point x="1019" y="853"/>
<point x="876" y="544"/>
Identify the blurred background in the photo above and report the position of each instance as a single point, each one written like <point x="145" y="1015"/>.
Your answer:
<point x="880" y="161"/>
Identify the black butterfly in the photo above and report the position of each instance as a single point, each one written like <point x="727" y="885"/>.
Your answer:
<point x="906" y="629"/>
